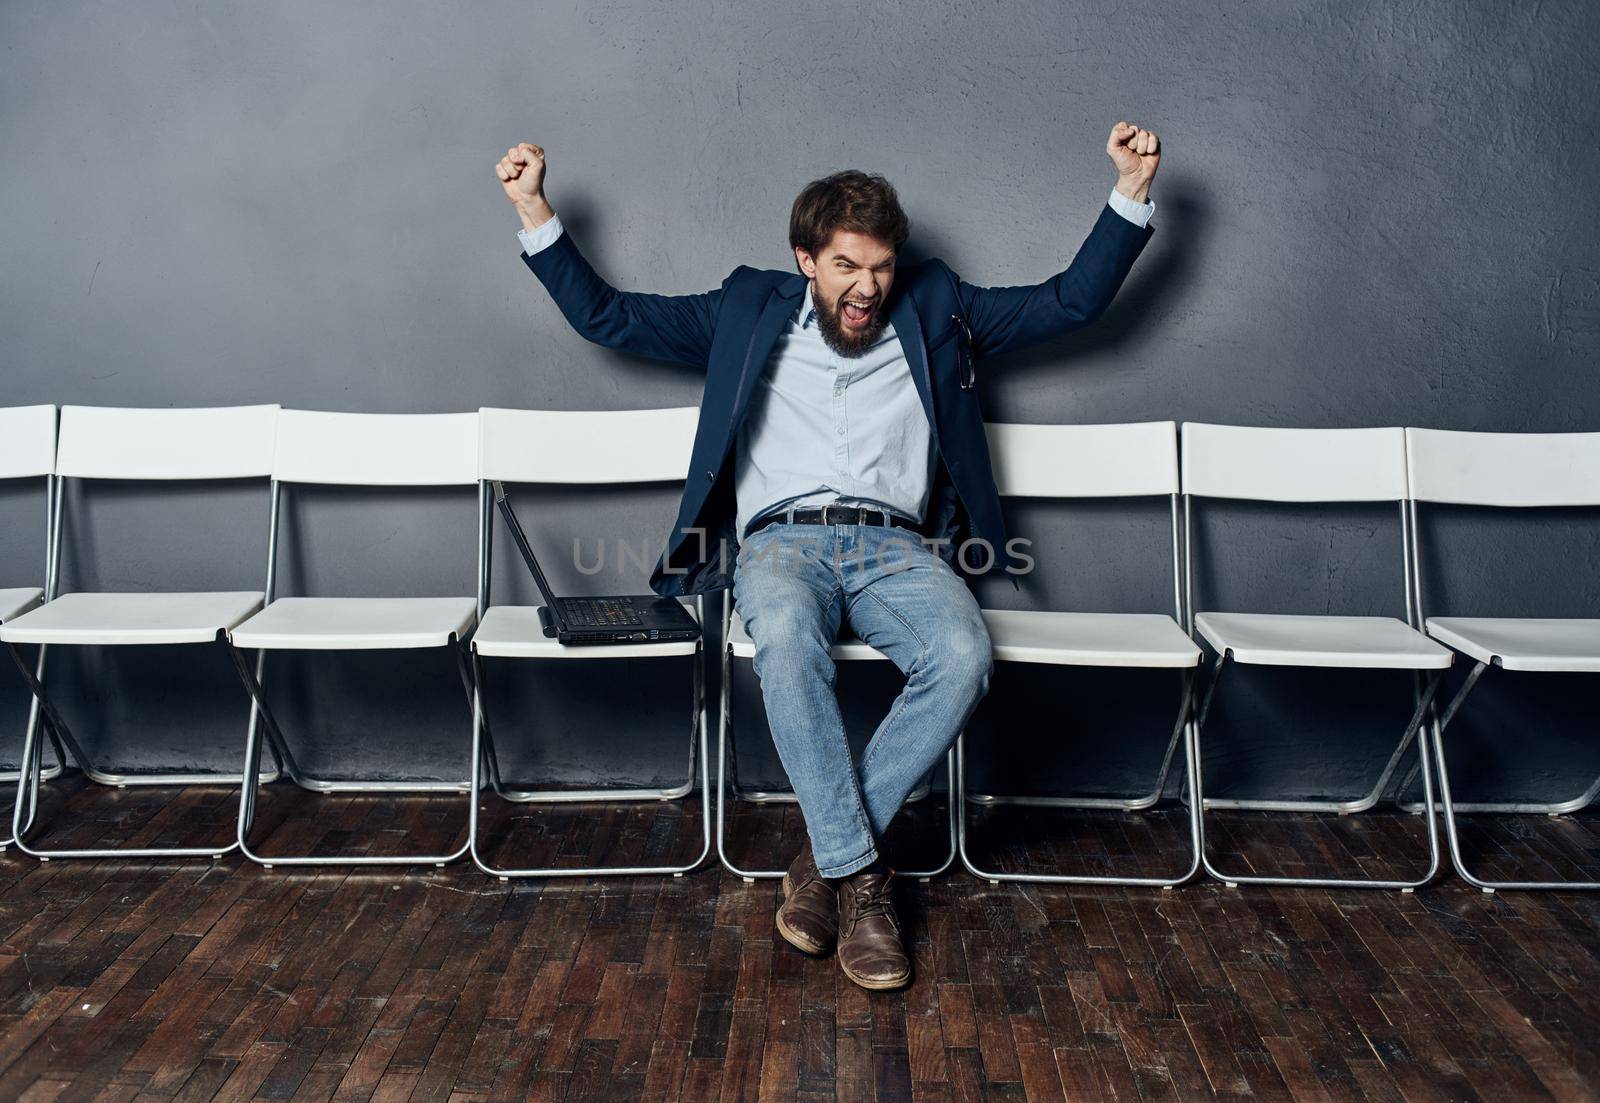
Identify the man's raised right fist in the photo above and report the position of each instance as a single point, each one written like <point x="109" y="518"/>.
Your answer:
<point x="521" y="172"/>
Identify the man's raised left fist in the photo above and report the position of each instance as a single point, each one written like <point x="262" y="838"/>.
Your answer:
<point x="1136" y="152"/>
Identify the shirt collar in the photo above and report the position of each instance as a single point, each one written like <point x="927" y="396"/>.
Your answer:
<point x="808" y="311"/>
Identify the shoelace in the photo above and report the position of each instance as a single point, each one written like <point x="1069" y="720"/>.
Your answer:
<point x="873" y="899"/>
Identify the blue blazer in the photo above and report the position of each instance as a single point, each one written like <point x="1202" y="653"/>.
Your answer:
<point x="730" y="333"/>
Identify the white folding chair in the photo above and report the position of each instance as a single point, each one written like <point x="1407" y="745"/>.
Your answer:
<point x="28" y="451"/>
<point x="578" y="448"/>
<point x="1504" y="470"/>
<point x="372" y="450"/>
<point x="1309" y="466"/>
<point x="170" y="445"/>
<point x="1092" y="461"/>
<point x="1018" y="625"/>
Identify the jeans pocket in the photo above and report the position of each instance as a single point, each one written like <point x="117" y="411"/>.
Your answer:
<point x="757" y="547"/>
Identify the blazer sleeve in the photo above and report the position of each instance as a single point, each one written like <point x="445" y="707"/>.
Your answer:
<point x="663" y="327"/>
<point x="1004" y="319"/>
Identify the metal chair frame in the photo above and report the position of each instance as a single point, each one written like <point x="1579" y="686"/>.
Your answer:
<point x="35" y="714"/>
<point x="1182" y="732"/>
<point x="485" y="760"/>
<point x="1423" y="693"/>
<point x="1450" y="807"/>
<point x="261" y="715"/>
<point x="1447" y="803"/>
<point x="70" y="752"/>
<point x="1385" y="783"/>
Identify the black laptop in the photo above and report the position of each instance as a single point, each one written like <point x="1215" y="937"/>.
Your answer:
<point x="580" y="620"/>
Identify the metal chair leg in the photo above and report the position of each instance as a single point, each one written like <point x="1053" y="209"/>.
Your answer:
<point x="1565" y="807"/>
<point x="1139" y="803"/>
<point x="1364" y="803"/>
<point x="1451" y="808"/>
<point x="922" y="792"/>
<point x="252" y="781"/>
<point x="483" y="754"/>
<point x="132" y="781"/>
<point x="111" y="778"/>
<point x="1568" y="807"/>
<point x="67" y="748"/>
<point x="590" y="796"/>
<point x="55" y="769"/>
<point x="1233" y="880"/>
<point x="1181" y="730"/>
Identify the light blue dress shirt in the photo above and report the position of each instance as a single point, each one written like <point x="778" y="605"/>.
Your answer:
<point x="824" y="428"/>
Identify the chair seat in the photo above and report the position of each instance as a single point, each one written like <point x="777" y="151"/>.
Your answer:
<point x="127" y="619"/>
<point x="1523" y="643"/>
<point x="1089" y="639"/>
<point x="514" y="632"/>
<point x="847" y="646"/>
<point x="356" y="623"/>
<point x="1043" y="636"/>
<point x="1271" y="639"/>
<point x="16" y="601"/>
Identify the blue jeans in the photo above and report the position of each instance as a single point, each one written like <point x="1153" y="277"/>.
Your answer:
<point x="792" y="586"/>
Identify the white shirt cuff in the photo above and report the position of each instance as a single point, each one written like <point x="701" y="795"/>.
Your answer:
<point x="1136" y="213"/>
<point x="541" y="237"/>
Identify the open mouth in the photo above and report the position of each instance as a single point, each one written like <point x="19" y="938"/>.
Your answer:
<point x="857" y="312"/>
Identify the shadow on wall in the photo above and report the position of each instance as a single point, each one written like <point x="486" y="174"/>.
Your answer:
<point x="577" y="216"/>
<point x="1164" y="272"/>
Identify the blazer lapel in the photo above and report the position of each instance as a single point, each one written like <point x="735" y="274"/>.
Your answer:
<point x="778" y="311"/>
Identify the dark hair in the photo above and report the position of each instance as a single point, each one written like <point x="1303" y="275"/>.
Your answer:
<point x="851" y="200"/>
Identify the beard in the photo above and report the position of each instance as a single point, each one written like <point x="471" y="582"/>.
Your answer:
<point x="845" y="342"/>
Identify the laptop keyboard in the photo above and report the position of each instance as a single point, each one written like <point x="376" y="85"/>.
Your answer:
<point x="599" y="612"/>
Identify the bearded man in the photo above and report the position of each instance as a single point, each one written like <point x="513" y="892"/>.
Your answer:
<point x="840" y="457"/>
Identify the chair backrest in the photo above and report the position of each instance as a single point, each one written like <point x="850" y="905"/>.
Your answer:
<point x="1084" y="461"/>
<point x="1327" y="466"/>
<point x="1294" y="465"/>
<point x="338" y="449"/>
<point x="27" y="441"/>
<point x="221" y="442"/>
<point x="586" y="446"/>
<point x="1133" y="460"/>
<point x="1503" y="469"/>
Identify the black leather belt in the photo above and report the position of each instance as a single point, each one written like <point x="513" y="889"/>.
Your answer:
<point x="836" y="515"/>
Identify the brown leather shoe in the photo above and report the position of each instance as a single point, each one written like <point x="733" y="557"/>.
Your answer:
<point x="870" y="950"/>
<point x="808" y="918"/>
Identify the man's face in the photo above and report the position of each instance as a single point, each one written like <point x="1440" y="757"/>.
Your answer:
<point x="851" y="278"/>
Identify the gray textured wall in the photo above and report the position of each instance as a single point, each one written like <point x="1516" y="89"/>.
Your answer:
<point x="1371" y="215"/>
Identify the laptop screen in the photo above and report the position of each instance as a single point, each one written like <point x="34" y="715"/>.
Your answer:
<point x="521" y="539"/>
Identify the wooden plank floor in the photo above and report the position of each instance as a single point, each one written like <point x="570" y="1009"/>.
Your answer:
<point x="202" y="980"/>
